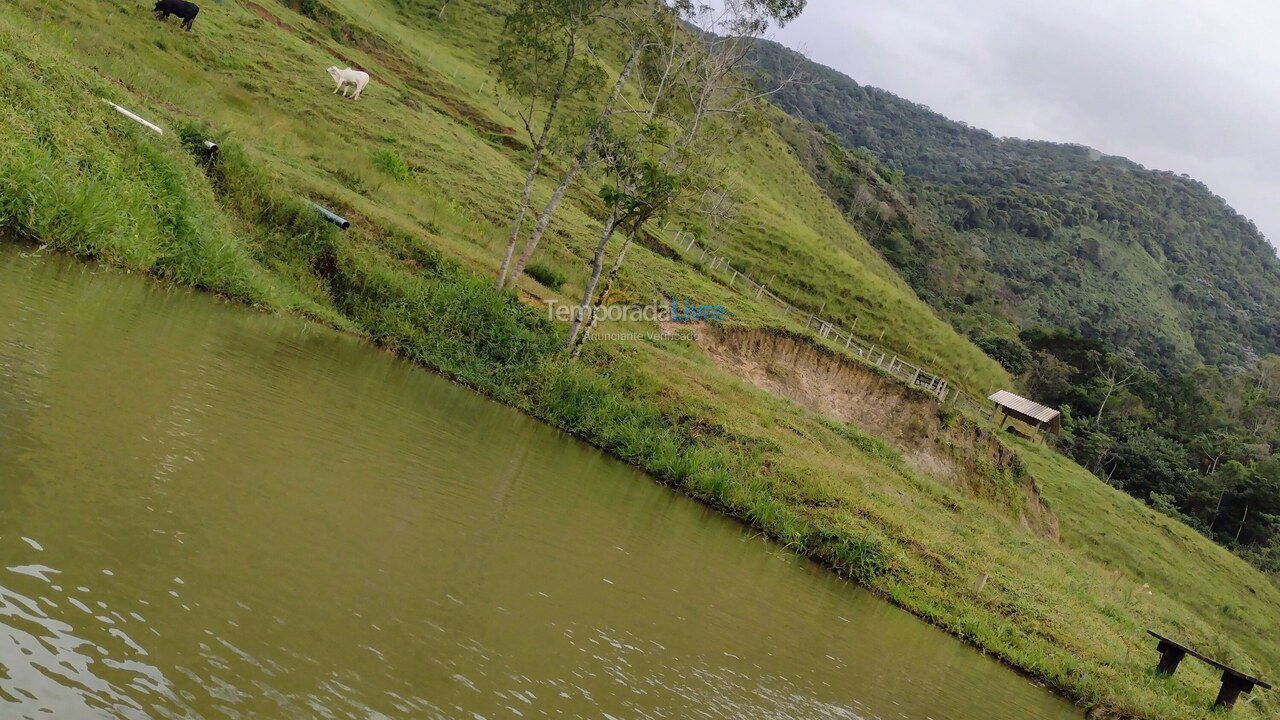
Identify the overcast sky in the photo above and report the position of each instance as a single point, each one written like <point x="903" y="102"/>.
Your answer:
<point x="1184" y="85"/>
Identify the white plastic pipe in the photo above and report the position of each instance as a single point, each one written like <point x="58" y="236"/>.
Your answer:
<point x="145" y="123"/>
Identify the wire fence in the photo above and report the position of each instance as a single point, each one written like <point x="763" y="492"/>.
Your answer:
<point x="878" y="355"/>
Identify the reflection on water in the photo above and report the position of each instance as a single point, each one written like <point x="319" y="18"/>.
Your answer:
<point x="210" y="513"/>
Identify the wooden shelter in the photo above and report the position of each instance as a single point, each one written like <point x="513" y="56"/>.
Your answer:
<point x="1043" y="419"/>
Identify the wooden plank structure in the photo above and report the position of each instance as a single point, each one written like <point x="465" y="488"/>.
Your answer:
<point x="1234" y="682"/>
<point x="1043" y="419"/>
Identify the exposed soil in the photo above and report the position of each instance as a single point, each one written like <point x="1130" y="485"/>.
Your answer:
<point x="932" y="441"/>
<point x="459" y="109"/>
<point x="265" y="14"/>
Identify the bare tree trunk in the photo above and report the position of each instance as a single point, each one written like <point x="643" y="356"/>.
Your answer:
<point x="1217" y="508"/>
<point x="1110" y="389"/>
<point x="588" y="293"/>
<point x="514" y="235"/>
<point x="1114" y="383"/>
<point x="544" y="217"/>
<point x="602" y="296"/>
<point x="1242" y="519"/>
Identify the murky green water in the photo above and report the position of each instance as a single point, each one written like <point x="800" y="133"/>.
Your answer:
<point x="210" y="513"/>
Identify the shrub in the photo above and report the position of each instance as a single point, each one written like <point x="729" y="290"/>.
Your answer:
<point x="390" y="162"/>
<point x="548" y="276"/>
<point x="309" y="8"/>
<point x="1011" y="353"/>
<point x="193" y="135"/>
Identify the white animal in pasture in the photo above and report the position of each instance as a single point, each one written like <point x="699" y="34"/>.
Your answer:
<point x="348" y="76"/>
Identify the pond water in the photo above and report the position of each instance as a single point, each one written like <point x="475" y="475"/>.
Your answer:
<point x="213" y="513"/>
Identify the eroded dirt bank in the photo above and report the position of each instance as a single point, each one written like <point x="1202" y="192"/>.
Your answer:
<point x="932" y="440"/>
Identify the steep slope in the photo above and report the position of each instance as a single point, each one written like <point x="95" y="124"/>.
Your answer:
<point x="256" y="70"/>
<point x="1146" y="260"/>
<point x="426" y="164"/>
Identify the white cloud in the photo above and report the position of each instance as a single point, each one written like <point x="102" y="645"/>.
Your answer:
<point x="1175" y="85"/>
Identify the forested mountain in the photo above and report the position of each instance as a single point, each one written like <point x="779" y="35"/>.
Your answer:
<point x="1047" y="233"/>
<point x="1135" y="300"/>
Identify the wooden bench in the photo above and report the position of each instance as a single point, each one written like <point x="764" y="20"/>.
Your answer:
<point x="1234" y="682"/>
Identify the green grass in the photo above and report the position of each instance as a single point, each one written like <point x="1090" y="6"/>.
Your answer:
<point x="547" y="275"/>
<point x="426" y="169"/>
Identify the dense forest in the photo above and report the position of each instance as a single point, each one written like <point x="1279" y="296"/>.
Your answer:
<point x="1149" y="261"/>
<point x="1135" y="300"/>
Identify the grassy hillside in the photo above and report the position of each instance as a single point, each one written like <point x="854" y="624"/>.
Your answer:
<point x="256" y="74"/>
<point x="413" y="274"/>
<point x="1075" y="271"/>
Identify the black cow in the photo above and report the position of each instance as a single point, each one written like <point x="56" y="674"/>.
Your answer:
<point x="183" y="9"/>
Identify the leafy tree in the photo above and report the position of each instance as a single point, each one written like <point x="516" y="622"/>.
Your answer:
<point x="693" y="84"/>
<point x="1202" y="446"/>
<point x="1049" y="378"/>
<point x="1010" y="353"/>
<point x="540" y="59"/>
<point x="634" y="19"/>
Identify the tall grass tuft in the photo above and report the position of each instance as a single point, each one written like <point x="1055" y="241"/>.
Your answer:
<point x="547" y="275"/>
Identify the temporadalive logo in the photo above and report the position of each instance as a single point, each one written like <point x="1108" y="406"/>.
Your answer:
<point x="677" y="310"/>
